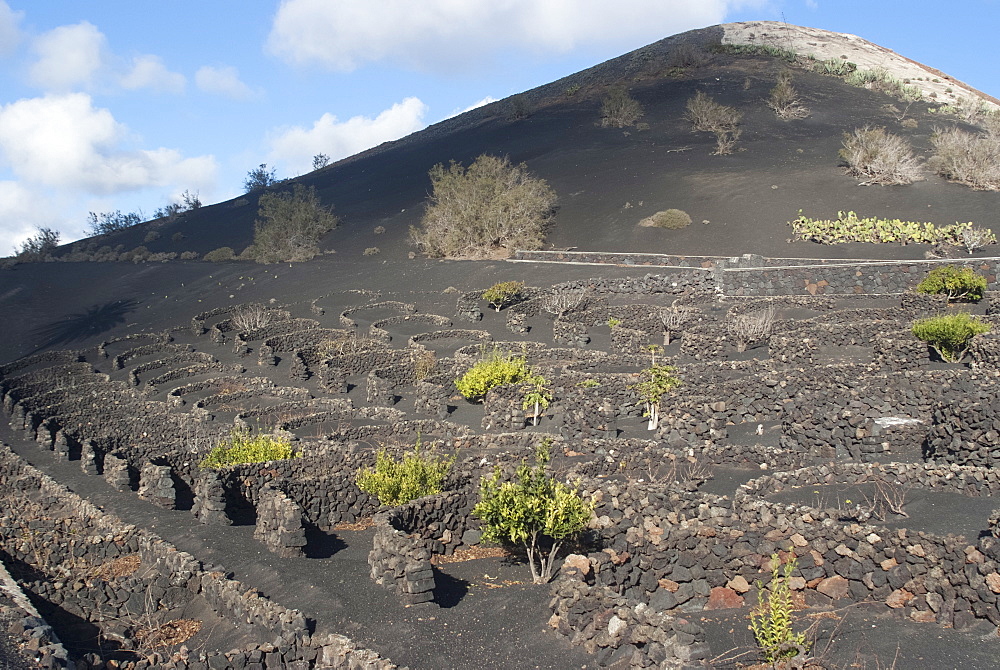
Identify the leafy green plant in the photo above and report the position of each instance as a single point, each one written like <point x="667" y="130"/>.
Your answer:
<point x="102" y="223"/>
<point x="613" y="322"/>
<point x="496" y="368"/>
<point x="503" y="293"/>
<point x="771" y="619"/>
<point x="835" y="66"/>
<point x="879" y="79"/>
<point x="956" y="283"/>
<point x="658" y="381"/>
<point x="259" y="179"/>
<point x="537" y="398"/>
<point x="491" y="208"/>
<point x="415" y="475"/>
<point x="755" y="50"/>
<point x="533" y="510"/>
<point x="589" y="383"/>
<point x="949" y="334"/>
<point x="849" y="227"/>
<point x="244" y="445"/>
<point x="673" y="219"/>
<point x="290" y="226"/>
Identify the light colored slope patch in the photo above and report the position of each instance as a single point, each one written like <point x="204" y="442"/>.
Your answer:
<point x="824" y="45"/>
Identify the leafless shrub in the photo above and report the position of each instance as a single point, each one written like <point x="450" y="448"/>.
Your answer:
<point x="888" y="498"/>
<point x="784" y="99"/>
<point x="976" y="238"/>
<point x="424" y="363"/>
<point x="968" y="158"/>
<point x="751" y="327"/>
<point x="619" y="109"/>
<point x="674" y="318"/>
<point x="562" y="301"/>
<point x="686" y="55"/>
<point x="707" y="115"/>
<point x="879" y="157"/>
<point x="251" y="317"/>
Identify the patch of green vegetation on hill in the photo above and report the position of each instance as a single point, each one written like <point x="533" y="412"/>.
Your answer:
<point x="849" y="227"/>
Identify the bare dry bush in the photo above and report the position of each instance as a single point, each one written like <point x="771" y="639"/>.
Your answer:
<point x="879" y="157"/>
<point x="751" y="327"/>
<point x="250" y="317"/>
<point x="489" y="209"/>
<point x="619" y="109"/>
<point x="975" y="239"/>
<point x="674" y="318"/>
<point x="967" y="158"/>
<point x="784" y="99"/>
<point x="561" y="301"/>
<point x="707" y="115"/>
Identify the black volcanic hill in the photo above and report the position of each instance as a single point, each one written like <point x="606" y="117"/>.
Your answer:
<point x="607" y="179"/>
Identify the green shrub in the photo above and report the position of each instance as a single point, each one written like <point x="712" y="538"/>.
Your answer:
<point x="102" y="223"/>
<point x="879" y="79"/>
<point x="956" y="283"/>
<point x="658" y="380"/>
<point x="879" y="157"/>
<point x="619" y="109"/>
<point x="742" y="50"/>
<point x="537" y="399"/>
<point x="290" y="226"/>
<point x="771" y="619"/>
<point x="414" y="476"/>
<point x="489" y="209"/>
<point x="674" y="219"/>
<point x="219" y="255"/>
<point x="836" y="66"/>
<point x="495" y="369"/>
<point x="848" y="227"/>
<point x="950" y="334"/>
<point x="533" y="510"/>
<point x="259" y="179"/>
<point x="503" y="293"/>
<point x="244" y="446"/>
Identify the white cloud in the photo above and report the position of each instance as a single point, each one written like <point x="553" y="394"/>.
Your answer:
<point x="21" y="212"/>
<point x="224" y="81"/>
<point x="149" y="72"/>
<point x="68" y="57"/>
<point x="442" y="34"/>
<point x="63" y="141"/>
<point x="296" y="146"/>
<point x="10" y="31"/>
<point x="476" y="105"/>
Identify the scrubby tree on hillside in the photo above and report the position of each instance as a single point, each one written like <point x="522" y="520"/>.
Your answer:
<point x="38" y="246"/>
<point x="290" y="226"/>
<point x="490" y="208"/>
<point x="259" y="178"/>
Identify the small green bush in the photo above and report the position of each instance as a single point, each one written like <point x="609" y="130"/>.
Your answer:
<point x="956" y="283"/>
<point x="950" y="334"/>
<point x="244" y="446"/>
<point x="743" y="50"/>
<point x="673" y="219"/>
<point x="503" y="293"/>
<point x="836" y="66"/>
<point x="534" y="510"/>
<point x="396" y="482"/>
<point x="495" y="369"/>
<point x="771" y="619"/>
<point x="219" y="255"/>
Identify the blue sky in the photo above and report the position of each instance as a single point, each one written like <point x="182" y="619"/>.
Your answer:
<point x="124" y="105"/>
